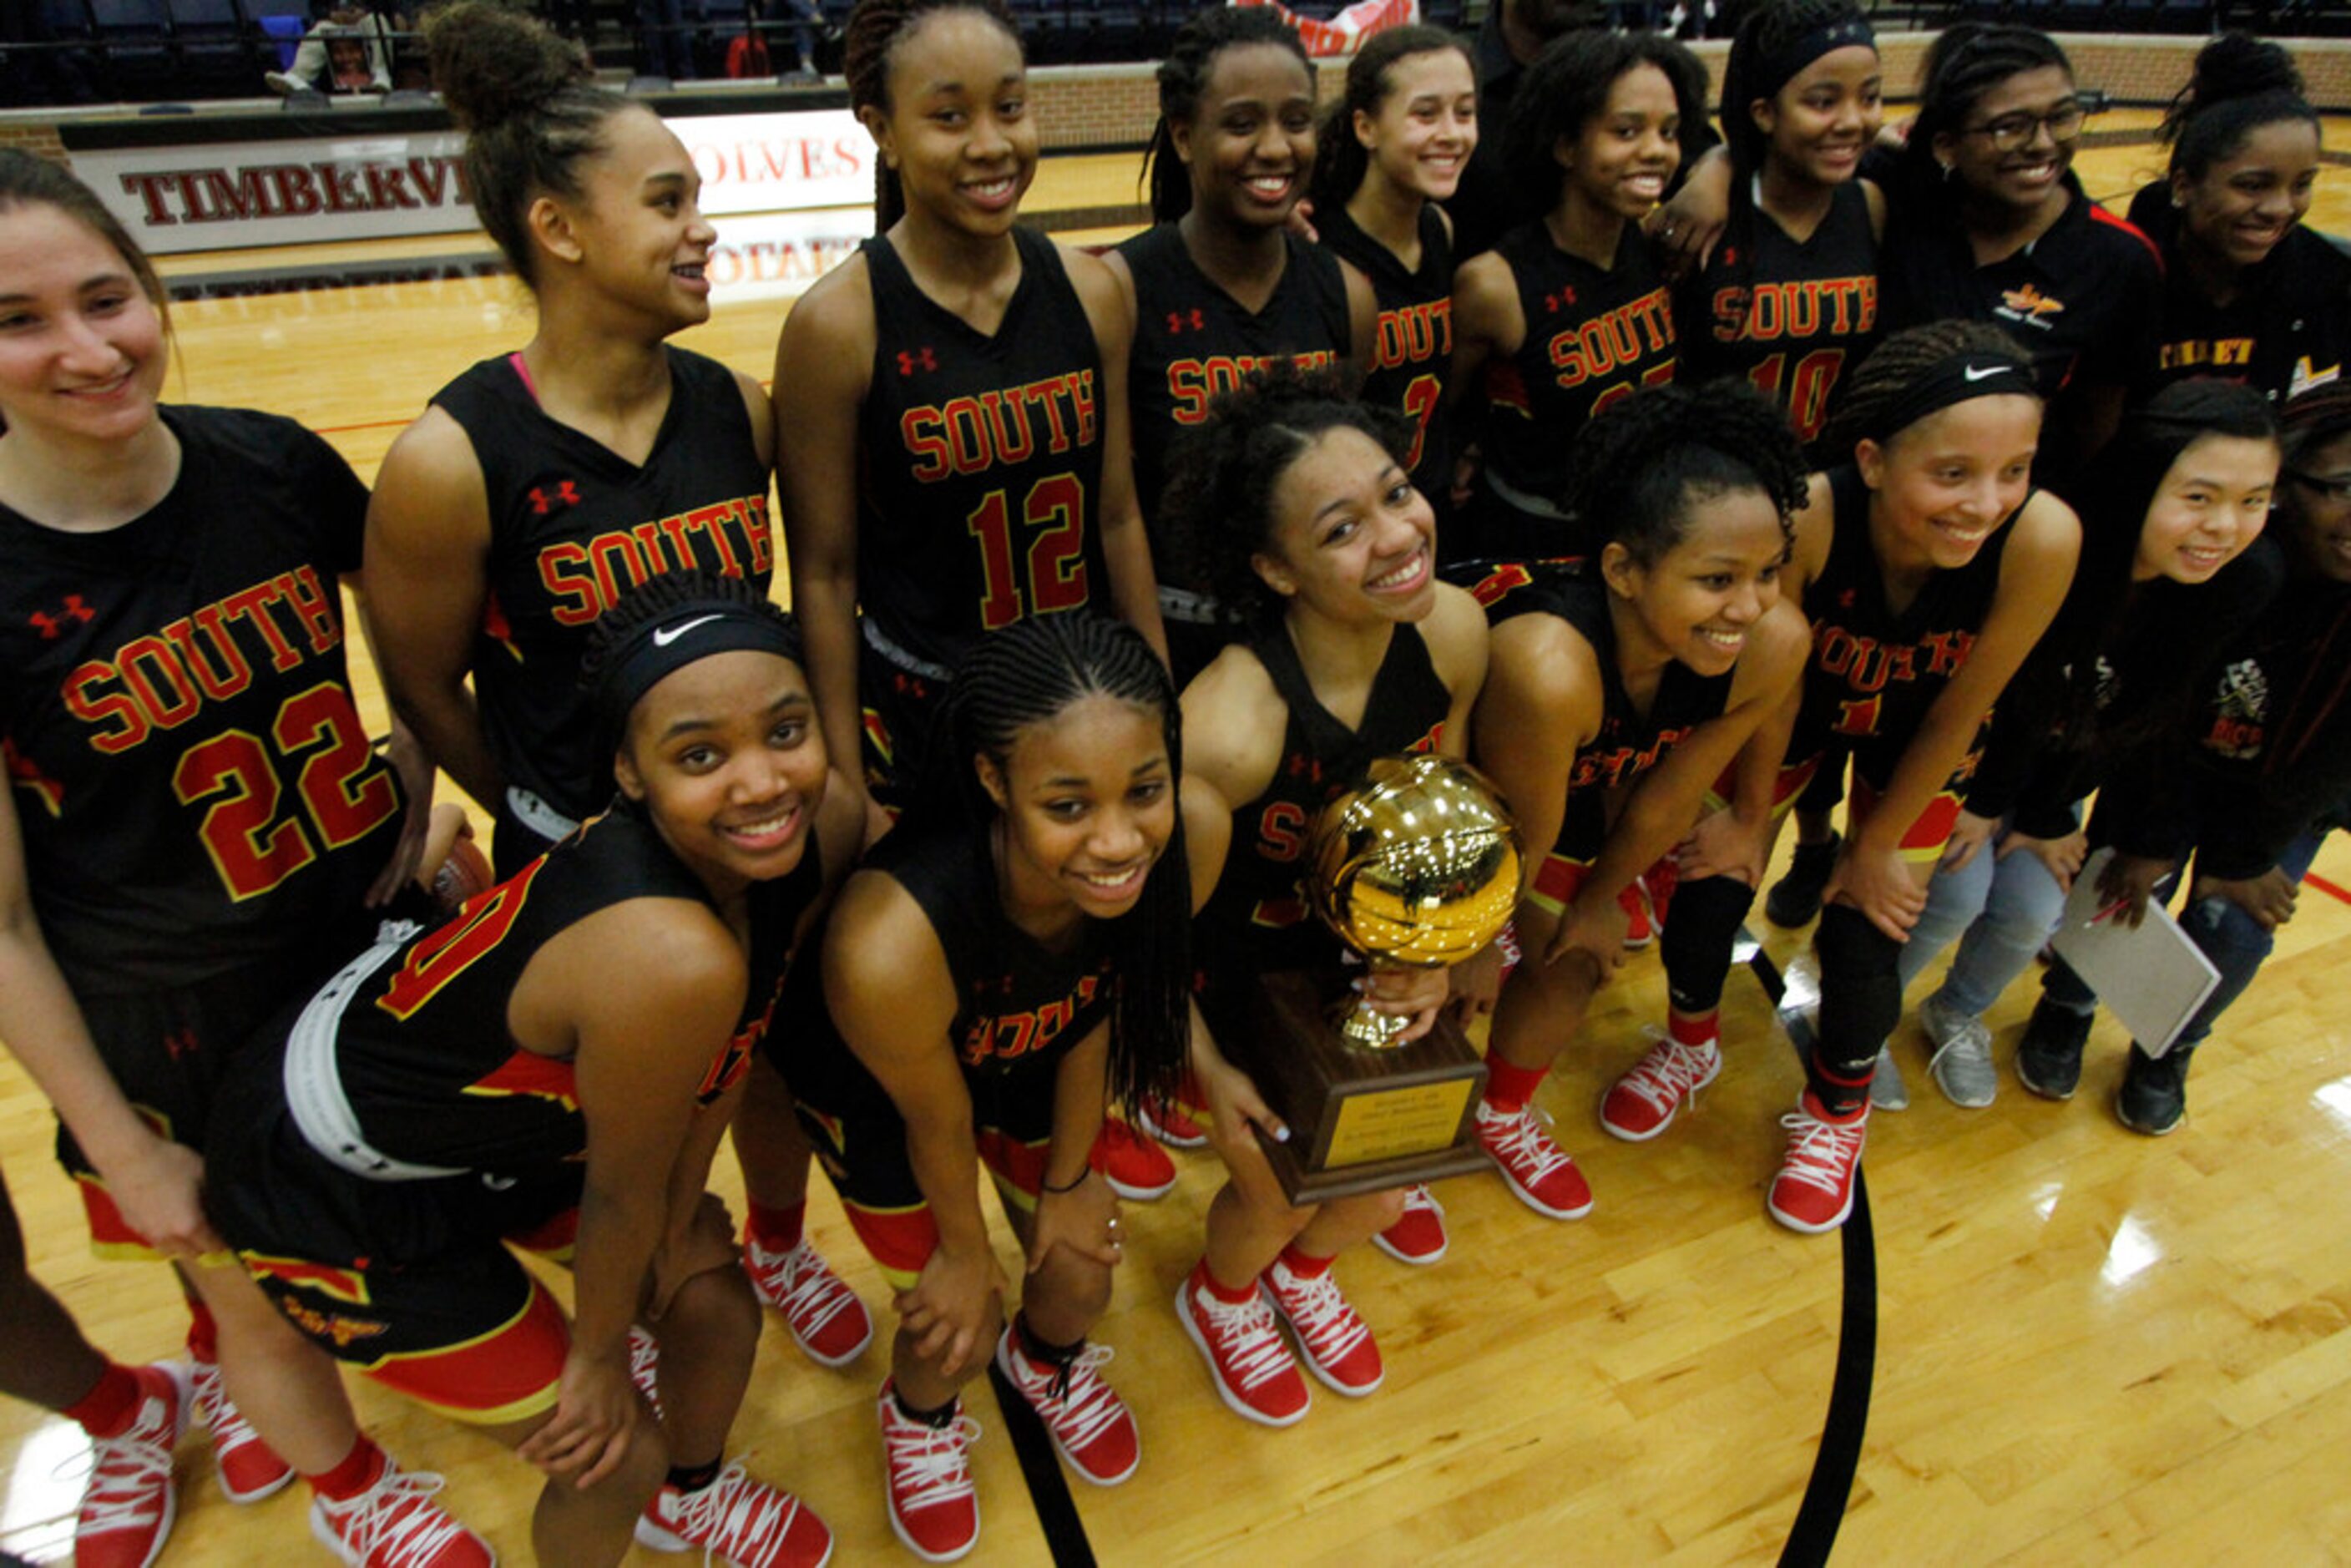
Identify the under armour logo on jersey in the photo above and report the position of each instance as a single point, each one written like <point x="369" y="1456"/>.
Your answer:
<point x="1844" y="600"/>
<point x="1555" y="303"/>
<point x="566" y="494"/>
<point x="922" y="358"/>
<point x="52" y="627"/>
<point x="1301" y="765"/>
<point x="1730" y="256"/>
<point x="1178" y="320"/>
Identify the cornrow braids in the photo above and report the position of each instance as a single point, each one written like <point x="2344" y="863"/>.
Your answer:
<point x="2239" y="83"/>
<point x="1340" y="161"/>
<point x="1027" y="674"/>
<point x="1567" y="87"/>
<point x="875" y="28"/>
<point x="1183" y="76"/>
<point x="1635" y="471"/>
<point x="616" y="638"/>
<point x="1966" y="63"/>
<point x="1219" y="506"/>
<point x="1768" y="31"/>
<point x="1880" y="381"/>
<point x="530" y="108"/>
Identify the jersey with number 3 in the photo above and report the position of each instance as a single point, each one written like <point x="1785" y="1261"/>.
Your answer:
<point x="195" y="789"/>
<point x="981" y="459"/>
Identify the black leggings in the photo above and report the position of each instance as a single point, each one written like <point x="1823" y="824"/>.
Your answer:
<point x="1861" y="1001"/>
<point x="1701" y="928"/>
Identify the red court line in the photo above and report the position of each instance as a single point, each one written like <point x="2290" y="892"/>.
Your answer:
<point x="365" y="424"/>
<point x="2312" y="878"/>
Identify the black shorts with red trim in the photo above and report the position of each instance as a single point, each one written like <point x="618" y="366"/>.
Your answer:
<point x="898" y="707"/>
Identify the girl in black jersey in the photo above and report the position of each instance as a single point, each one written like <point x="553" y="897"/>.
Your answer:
<point x="1613" y="702"/>
<point x="951" y="402"/>
<point x="2171" y="572"/>
<point x="195" y="821"/>
<point x="2250" y="294"/>
<point x="1355" y="651"/>
<point x="1011" y="958"/>
<point x="1569" y="314"/>
<point x="1789" y="298"/>
<point x="540" y="485"/>
<point x="1219" y="285"/>
<point x="1387" y="154"/>
<point x="553" y="1068"/>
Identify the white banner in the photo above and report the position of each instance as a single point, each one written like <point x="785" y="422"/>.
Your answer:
<point x="220" y="195"/>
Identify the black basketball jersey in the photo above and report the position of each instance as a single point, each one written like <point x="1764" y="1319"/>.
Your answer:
<point x="2288" y="328"/>
<point x="197" y="790"/>
<point x="1793" y="317"/>
<point x="1874" y="673"/>
<point x="1416" y="337"/>
<point x="1258" y="920"/>
<point x="405" y="1053"/>
<point x="981" y="473"/>
<point x="1595" y="335"/>
<point x="1629" y="741"/>
<point x="1193" y="341"/>
<point x="574" y="525"/>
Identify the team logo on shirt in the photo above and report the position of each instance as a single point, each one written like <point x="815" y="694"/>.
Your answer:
<point x="1614" y="340"/>
<point x="1006" y="425"/>
<point x="1603" y="766"/>
<point x="1191" y="383"/>
<point x="922" y="358"/>
<point x="52" y="627"/>
<point x="2240" y="711"/>
<point x="1868" y="667"/>
<point x="587" y="578"/>
<point x="2028" y="306"/>
<point x="1009" y="1036"/>
<point x="567" y="494"/>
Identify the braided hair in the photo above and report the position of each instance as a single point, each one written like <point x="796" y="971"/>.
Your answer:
<point x="1219" y="505"/>
<point x="1567" y="87"/>
<point x="1183" y="76"/>
<point x="875" y="28"/>
<point x="529" y="106"/>
<point x="1767" y="33"/>
<point x="2240" y="84"/>
<point x="1636" y="470"/>
<point x="1341" y="161"/>
<point x="659" y="599"/>
<point x="1027" y="674"/>
<point x="1964" y="65"/>
<point x="1879" y="385"/>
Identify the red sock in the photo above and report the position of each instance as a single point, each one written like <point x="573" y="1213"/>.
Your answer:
<point x="204" y="1335"/>
<point x="1509" y="1087"/>
<point x="776" y="1229"/>
<point x="1855" y="1095"/>
<point x="1694" y="1032"/>
<point x="1217" y="1292"/>
<point x="359" y="1470"/>
<point x="1303" y="1267"/>
<point x="106" y="1411"/>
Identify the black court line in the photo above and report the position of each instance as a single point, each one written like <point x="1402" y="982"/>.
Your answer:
<point x="1040" y="1466"/>
<point x="1818" y="1517"/>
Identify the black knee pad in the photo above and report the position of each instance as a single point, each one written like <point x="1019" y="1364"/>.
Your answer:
<point x="1700" y="927"/>
<point x="1861" y="990"/>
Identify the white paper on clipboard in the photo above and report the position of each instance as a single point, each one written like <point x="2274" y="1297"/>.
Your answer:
<point x="2152" y="977"/>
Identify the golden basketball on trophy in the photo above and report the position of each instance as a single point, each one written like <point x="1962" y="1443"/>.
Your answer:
<point x="1415" y="864"/>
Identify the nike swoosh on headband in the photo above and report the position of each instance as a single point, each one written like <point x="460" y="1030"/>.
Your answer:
<point x="664" y="636"/>
<point x="1975" y="375"/>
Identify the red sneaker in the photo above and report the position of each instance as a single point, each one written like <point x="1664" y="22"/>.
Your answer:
<point x="1536" y="1168"/>
<point x="1814" y="1191"/>
<point x="1658" y="882"/>
<point x="1642" y="1103"/>
<point x="128" y="1509"/>
<point x="1338" y="1346"/>
<point x="828" y="1322"/>
<point x="395" y="1524"/>
<point x="1639" y="930"/>
<point x="737" y="1520"/>
<point x="1091" y="1426"/>
<point x="249" y="1469"/>
<point x="934" y="1508"/>
<point x="1136" y="1169"/>
<point x="1172" y="1125"/>
<point x="1250" y="1363"/>
<point x="1418" y="1236"/>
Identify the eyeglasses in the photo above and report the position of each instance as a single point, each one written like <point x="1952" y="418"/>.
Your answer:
<point x="2012" y="131"/>
<point x="2336" y="489"/>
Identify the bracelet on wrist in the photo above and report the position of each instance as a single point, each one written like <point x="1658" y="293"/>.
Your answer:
<point x="1074" y="1183"/>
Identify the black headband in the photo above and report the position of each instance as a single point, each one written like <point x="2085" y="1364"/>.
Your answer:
<point x="1961" y="378"/>
<point x="693" y="631"/>
<point x="1777" y="69"/>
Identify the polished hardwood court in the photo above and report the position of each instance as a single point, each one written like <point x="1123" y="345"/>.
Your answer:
<point x="2091" y="1346"/>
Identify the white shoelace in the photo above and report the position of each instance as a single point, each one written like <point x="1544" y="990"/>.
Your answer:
<point x="1668" y="1073"/>
<point x="222" y="1420"/>
<point x="1517" y="1140"/>
<point x="1321" y="1315"/>
<point x="396" y="1521"/>
<point x="1247" y="1333"/>
<point x="804" y="1289"/>
<point x="1822" y="1154"/>
<point x="644" y="1365"/>
<point x="128" y="1474"/>
<point x="735" y="1518"/>
<point x="1421" y="1197"/>
<point x="1083" y="1407"/>
<point x="928" y="1465"/>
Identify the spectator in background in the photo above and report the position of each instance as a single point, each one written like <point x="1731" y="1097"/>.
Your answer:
<point x="351" y="51"/>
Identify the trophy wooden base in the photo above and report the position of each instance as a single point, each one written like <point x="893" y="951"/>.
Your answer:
<point x="1360" y="1119"/>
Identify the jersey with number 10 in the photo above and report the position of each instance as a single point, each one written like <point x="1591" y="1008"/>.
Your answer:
<point x="981" y="458"/>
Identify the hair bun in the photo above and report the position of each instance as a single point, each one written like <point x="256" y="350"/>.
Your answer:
<point x="493" y="63"/>
<point x="2238" y="65"/>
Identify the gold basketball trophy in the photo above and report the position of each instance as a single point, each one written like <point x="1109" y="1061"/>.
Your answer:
<point x="1417" y="864"/>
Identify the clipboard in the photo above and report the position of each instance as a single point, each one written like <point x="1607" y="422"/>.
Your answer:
<point x="2153" y="978"/>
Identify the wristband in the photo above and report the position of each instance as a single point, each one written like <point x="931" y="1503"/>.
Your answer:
<point x="1075" y="1182"/>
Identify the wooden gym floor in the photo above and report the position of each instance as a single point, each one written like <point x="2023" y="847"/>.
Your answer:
<point x="2088" y="1346"/>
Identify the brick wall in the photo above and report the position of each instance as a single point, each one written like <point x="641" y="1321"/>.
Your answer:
<point x="33" y="136"/>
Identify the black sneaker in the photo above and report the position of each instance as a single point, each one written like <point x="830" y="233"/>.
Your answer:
<point x="2153" y="1095"/>
<point x="2049" y="1057"/>
<point x="1795" y="899"/>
